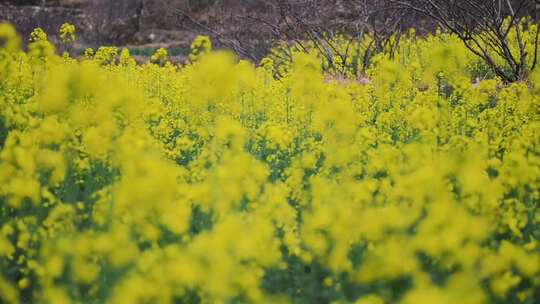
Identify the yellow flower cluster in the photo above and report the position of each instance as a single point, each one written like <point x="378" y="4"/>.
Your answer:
<point x="67" y="33"/>
<point x="160" y="57"/>
<point x="201" y="45"/>
<point x="215" y="182"/>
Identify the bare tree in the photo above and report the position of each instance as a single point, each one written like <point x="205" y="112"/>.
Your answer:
<point x="240" y="26"/>
<point x="320" y="25"/>
<point x="488" y="28"/>
<point x="337" y="29"/>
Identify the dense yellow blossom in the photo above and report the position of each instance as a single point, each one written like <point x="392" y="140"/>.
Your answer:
<point x="218" y="182"/>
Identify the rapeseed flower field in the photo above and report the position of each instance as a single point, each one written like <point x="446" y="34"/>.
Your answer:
<point x="217" y="181"/>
